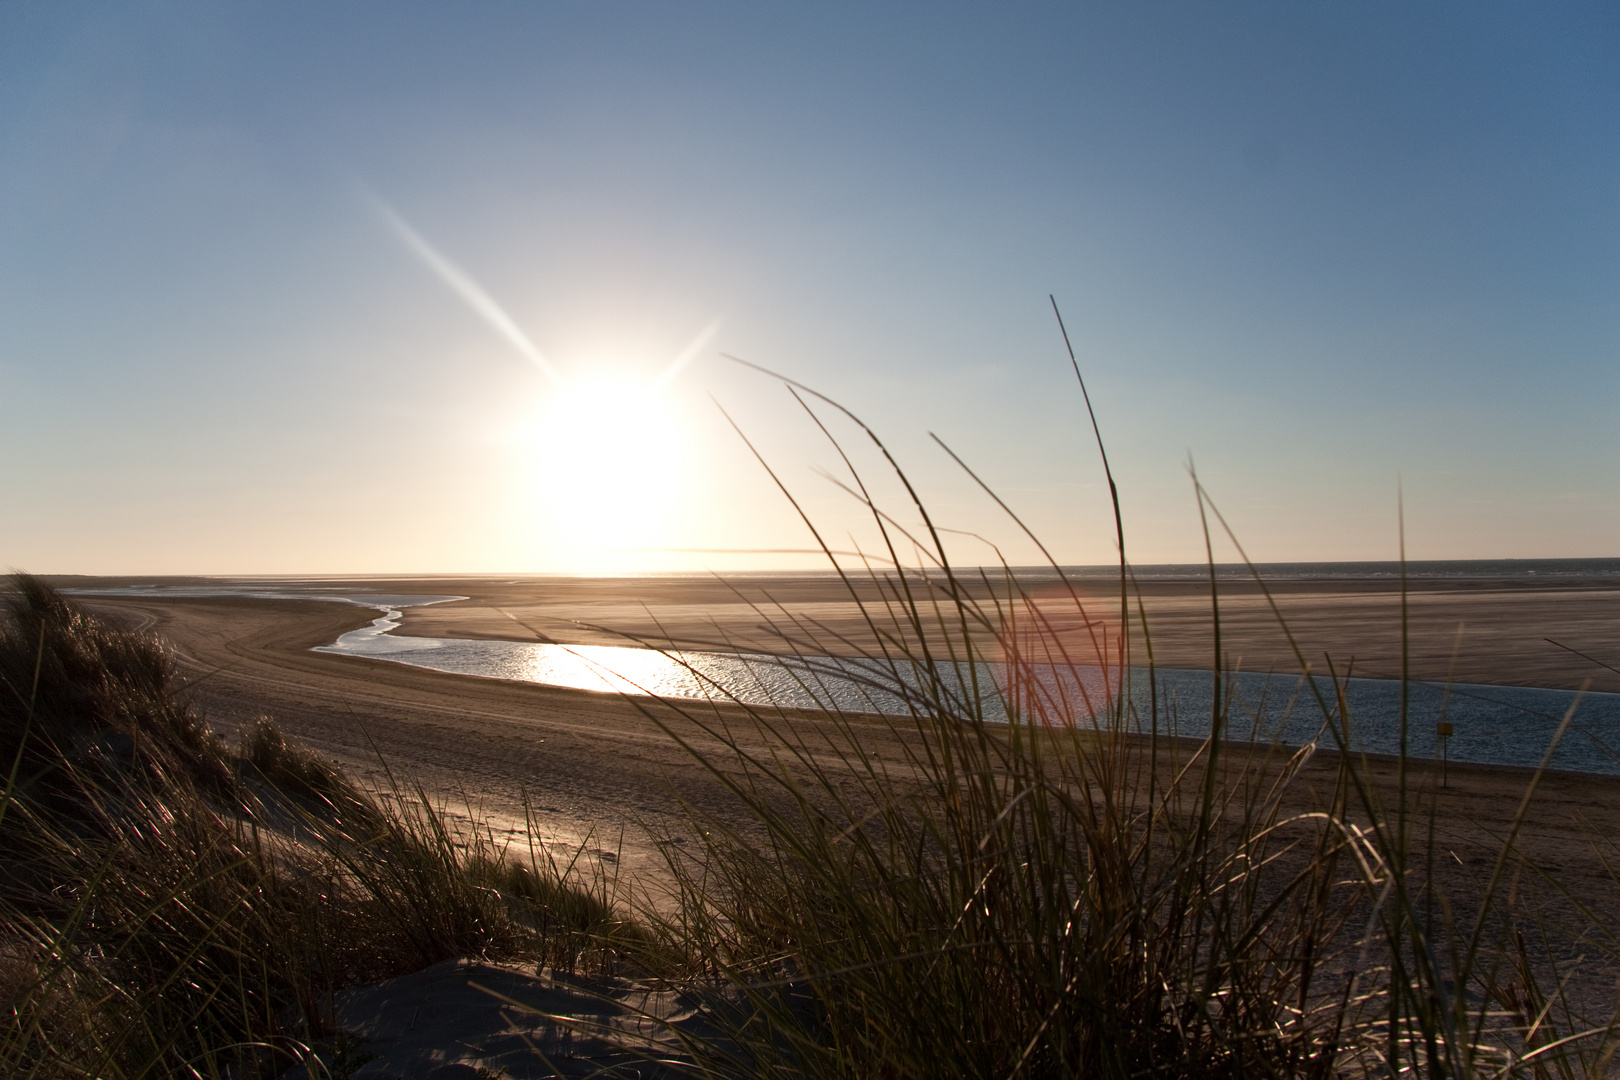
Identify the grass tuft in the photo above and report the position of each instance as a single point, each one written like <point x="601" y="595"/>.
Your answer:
<point x="1070" y="890"/>
<point x="169" y="909"/>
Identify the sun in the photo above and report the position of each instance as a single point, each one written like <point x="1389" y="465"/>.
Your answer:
<point x="610" y="456"/>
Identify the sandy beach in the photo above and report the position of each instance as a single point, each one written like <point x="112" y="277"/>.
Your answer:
<point x="601" y="772"/>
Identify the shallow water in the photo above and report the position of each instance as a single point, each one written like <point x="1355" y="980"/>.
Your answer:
<point x="1498" y="725"/>
<point x="1502" y="725"/>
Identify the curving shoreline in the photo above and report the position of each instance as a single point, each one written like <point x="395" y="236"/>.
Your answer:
<point x="491" y="629"/>
<point x="602" y="773"/>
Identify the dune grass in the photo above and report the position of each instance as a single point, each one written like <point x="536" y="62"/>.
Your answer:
<point x="169" y="909"/>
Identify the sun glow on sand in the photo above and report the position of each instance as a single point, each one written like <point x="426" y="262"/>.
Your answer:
<point x="610" y="452"/>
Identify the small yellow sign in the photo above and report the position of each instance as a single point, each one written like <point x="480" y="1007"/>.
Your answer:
<point x="1442" y="729"/>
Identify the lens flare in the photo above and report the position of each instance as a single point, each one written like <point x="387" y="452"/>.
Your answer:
<point x="463" y="285"/>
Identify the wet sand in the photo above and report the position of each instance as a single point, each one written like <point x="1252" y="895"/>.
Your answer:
<point x="1461" y="631"/>
<point x="601" y="771"/>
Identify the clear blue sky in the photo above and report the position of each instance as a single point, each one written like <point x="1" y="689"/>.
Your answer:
<point x="1315" y="246"/>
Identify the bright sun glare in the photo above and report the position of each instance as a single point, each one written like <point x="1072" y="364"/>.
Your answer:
<point x="610" y="455"/>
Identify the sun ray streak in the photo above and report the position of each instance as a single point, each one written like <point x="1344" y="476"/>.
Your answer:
<point x="463" y="285"/>
<point x="688" y="354"/>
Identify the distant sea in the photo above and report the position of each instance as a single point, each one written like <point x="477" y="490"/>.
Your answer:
<point x="1521" y="570"/>
<point x="1425" y="570"/>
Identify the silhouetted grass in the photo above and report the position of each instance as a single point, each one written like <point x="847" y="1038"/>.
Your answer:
<point x="1070" y="892"/>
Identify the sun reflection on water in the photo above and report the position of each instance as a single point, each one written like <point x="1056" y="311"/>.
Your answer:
<point x="606" y="667"/>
